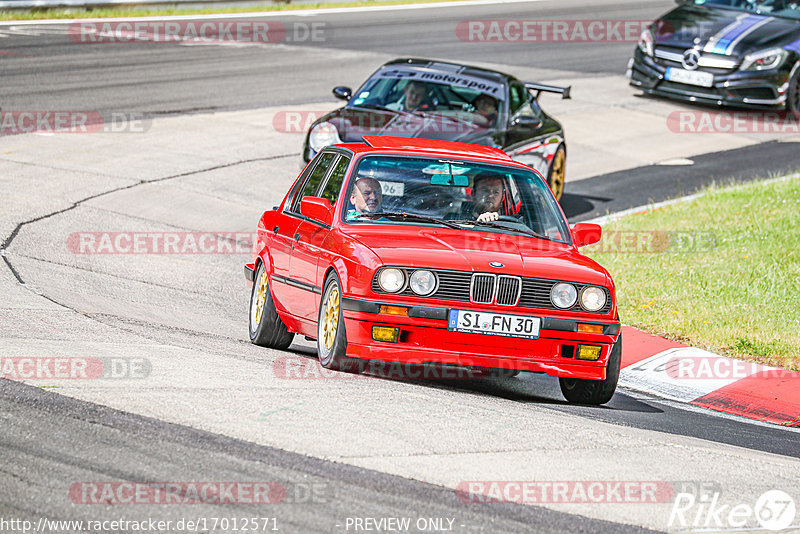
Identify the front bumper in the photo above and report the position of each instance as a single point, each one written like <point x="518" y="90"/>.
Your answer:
<point x="751" y="89"/>
<point x="425" y="339"/>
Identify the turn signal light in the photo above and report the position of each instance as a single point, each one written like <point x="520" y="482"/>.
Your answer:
<point x="585" y="328"/>
<point x="394" y="310"/>
<point x="589" y="352"/>
<point x="386" y="333"/>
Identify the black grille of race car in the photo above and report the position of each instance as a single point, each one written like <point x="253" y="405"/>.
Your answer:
<point x="533" y="292"/>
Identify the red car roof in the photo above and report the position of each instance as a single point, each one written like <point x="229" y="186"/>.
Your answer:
<point x="375" y="143"/>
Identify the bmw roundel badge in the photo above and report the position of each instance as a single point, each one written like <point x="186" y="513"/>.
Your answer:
<point x="496" y="264"/>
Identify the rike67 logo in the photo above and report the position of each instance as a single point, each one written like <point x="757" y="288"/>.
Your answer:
<point x="774" y="510"/>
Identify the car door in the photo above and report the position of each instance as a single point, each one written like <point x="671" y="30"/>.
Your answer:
<point x="284" y="237"/>
<point x="309" y="238"/>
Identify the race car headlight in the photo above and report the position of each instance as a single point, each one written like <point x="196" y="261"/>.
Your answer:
<point x="646" y="42"/>
<point x="593" y="298"/>
<point x="768" y="59"/>
<point x="322" y="135"/>
<point x="563" y="295"/>
<point x="391" y="280"/>
<point x="422" y="282"/>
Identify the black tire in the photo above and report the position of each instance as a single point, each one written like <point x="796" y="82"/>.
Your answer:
<point x="331" y="334"/>
<point x="557" y="173"/>
<point x="267" y="330"/>
<point x="594" y="392"/>
<point x="793" y="96"/>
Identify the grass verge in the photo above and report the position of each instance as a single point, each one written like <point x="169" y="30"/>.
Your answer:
<point x="127" y="12"/>
<point x="721" y="272"/>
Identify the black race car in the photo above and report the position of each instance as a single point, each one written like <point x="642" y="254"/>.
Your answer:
<point x="724" y="52"/>
<point x="446" y="101"/>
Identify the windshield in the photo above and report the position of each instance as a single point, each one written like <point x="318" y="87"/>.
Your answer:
<point x="396" y="190"/>
<point x="424" y="90"/>
<point x="774" y="8"/>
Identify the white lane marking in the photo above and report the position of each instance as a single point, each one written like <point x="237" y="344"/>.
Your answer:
<point x="676" y="162"/>
<point x="294" y="13"/>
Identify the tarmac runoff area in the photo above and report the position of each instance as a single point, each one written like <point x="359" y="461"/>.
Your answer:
<point x="172" y="327"/>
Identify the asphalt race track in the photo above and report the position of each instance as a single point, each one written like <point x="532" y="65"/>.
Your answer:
<point x="192" y="401"/>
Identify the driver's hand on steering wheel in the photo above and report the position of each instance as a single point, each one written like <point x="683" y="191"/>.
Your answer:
<point x="489" y="216"/>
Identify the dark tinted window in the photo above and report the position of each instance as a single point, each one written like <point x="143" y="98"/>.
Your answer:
<point x="314" y="179"/>
<point x="334" y="185"/>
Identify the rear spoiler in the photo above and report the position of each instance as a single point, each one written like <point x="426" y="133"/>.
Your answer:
<point x="538" y="87"/>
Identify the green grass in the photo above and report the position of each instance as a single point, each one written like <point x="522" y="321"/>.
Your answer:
<point x="725" y="275"/>
<point x="124" y="12"/>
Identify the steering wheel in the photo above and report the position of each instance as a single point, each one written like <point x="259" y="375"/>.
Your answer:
<point x="508" y="218"/>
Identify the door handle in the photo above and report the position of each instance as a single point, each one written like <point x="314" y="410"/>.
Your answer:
<point x="275" y="230"/>
<point x="297" y="237"/>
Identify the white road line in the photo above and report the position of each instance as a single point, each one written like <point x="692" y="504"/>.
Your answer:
<point x="293" y="13"/>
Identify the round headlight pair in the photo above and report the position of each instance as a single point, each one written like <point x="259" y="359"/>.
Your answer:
<point x="565" y="295"/>
<point x="421" y="282"/>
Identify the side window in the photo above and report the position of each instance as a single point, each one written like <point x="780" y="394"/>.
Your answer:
<point x="519" y="97"/>
<point x="334" y="185"/>
<point x="314" y="179"/>
<point x="520" y="101"/>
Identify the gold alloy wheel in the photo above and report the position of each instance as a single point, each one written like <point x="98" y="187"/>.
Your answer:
<point x="261" y="296"/>
<point x="557" y="173"/>
<point x="331" y="320"/>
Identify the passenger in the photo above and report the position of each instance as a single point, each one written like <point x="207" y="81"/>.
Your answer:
<point x="486" y="106"/>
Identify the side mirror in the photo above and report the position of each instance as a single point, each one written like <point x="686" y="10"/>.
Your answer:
<point x="318" y="209"/>
<point x="526" y="121"/>
<point x="586" y="234"/>
<point x="342" y="93"/>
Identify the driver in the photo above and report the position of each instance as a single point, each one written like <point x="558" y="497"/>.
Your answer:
<point x="367" y="197"/>
<point x="488" y="193"/>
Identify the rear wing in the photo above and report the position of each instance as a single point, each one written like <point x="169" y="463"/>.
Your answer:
<point x="539" y="87"/>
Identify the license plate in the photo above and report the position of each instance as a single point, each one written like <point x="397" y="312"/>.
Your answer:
<point x="691" y="77"/>
<point x="496" y="324"/>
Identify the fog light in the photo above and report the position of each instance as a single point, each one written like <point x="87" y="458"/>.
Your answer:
<point x="394" y="310"/>
<point x="386" y="333"/>
<point x="585" y="328"/>
<point x="589" y="352"/>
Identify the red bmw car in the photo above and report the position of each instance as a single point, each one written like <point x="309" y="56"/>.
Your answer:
<point x="422" y="251"/>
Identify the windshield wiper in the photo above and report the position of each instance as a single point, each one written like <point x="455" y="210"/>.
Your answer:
<point x="492" y="224"/>
<point x="409" y="217"/>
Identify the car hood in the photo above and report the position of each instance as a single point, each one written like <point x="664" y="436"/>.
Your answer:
<point x="353" y="124"/>
<point x="725" y="31"/>
<point x="465" y="250"/>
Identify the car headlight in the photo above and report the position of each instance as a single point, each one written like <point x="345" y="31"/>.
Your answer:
<point x="593" y="298"/>
<point x="422" y="282"/>
<point x="646" y="42"/>
<point x="391" y="280"/>
<point x="768" y="59"/>
<point x="563" y="295"/>
<point x="322" y="135"/>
